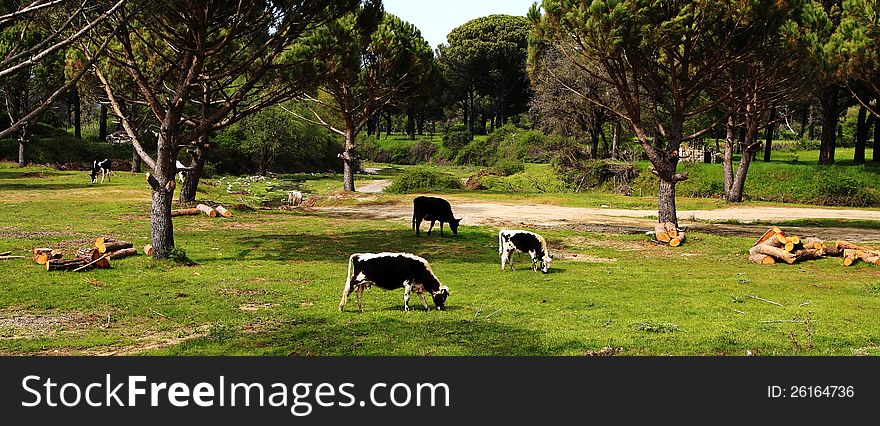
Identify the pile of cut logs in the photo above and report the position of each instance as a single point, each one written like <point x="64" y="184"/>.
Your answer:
<point x="87" y="258"/>
<point x="776" y="246"/>
<point x="218" y="211"/>
<point x="668" y="233"/>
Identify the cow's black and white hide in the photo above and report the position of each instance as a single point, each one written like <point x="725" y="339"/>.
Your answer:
<point x="391" y="271"/>
<point x="525" y="242"/>
<point x="433" y="209"/>
<point x="102" y="167"/>
<point x="181" y="171"/>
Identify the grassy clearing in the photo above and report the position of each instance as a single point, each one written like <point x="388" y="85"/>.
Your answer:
<point x="268" y="282"/>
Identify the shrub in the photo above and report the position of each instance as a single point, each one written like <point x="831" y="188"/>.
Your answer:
<point x="420" y="179"/>
<point x="457" y="137"/>
<point x="508" y="167"/>
<point x="477" y="153"/>
<point x="843" y="187"/>
<point x="422" y="152"/>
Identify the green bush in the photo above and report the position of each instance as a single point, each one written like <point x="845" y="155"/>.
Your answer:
<point x="536" y="178"/>
<point x="477" y="153"/>
<point x="508" y="167"/>
<point x="843" y="187"/>
<point x="420" y="179"/>
<point x="457" y="137"/>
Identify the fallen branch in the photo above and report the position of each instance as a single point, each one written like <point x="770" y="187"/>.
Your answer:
<point x="91" y="263"/>
<point x="765" y="300"/>
<point x="6" y="257"/>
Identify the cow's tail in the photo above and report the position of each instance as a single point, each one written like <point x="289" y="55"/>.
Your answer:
<point x="500" y="242"/>
<point x="346" y="289"/>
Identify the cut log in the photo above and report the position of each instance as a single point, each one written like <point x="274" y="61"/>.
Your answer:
<point x="678" y="241"/>
<point x="6" y="253"/>
<point x="128" y="252"/>
<point x="781" y="238"/>
<point x="210" y="211"/>
<point x="65" y="265"/>
<point x="872" y="259"/>
<point x="808" y="254"/>
<point x="148" y="250"/>
<point x="661" y="234"/>
<point x="92" y="264"/>
<point x="776" y="252"/>
<point x="834" y="251"/>
<point x="762" y="259"/>
<point x="789" y="247"/>
<point x="223" y="212"/>
<point x="771" y="233"/>
<point x="43" y="255"/>
<point x="185" y="212"/>
<point x="813" y="243"/>
<point x="115" y="246"/>
<point x="794" y="239"/>
<point x="92" y="254"/>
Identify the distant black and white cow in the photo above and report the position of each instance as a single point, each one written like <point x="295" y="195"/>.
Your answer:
<point x="390" y="271"/>
<point x="433" y="209"/>
<point x="181" y="171"/>
<point x="102" y="167"/>
<point x="525" y="242"/>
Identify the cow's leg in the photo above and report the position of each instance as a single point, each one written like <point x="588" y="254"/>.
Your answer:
<point x="505" y="257"/>
<point x="424" y="302"/>
<point x="346" y="291"/>
<point x="534" y="257"/>
<point x="103" y="173"/>
<point x="432" y="226"/>
<point x="441" y="228"/>
<point x="360" y="296"/>
<point x="407" y="290"/>
<point x="418" y="226"/>
<point x="108" y="175"/>
<point x="510" y="259"/>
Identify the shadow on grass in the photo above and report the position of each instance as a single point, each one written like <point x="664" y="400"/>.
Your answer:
<point x="28" y="173"/>
<point x="470" y="248"/>
<point x="44" y="187"/>
<point x="413" y="333"/>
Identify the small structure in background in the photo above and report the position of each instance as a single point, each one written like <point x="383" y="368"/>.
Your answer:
<point x="698" y="152"/>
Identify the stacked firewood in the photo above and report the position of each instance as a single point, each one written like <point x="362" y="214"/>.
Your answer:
<point x="669" y="234"/>
<point x="205" y="209"/>
<point x="87" y="258"/>
<point x="777" y="246"/>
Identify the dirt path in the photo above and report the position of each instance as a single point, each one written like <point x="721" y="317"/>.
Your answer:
<point x="627" y="221"/>
<point x="373" y="186"/>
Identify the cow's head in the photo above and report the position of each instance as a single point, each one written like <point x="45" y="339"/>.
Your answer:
<point x="440" y="296"/>
<point x="545" y="263"/>
<point x="454" y="226"/>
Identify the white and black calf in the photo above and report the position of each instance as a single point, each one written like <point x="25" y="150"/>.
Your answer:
<point x="391" y="271"/>
<point x="102" y="167"/>
<point x="433" y="209"/>
<point x="181" y="171"/>
<point x="526" y="242"/>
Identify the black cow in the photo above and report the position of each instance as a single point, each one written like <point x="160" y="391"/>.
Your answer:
<point x="433" y="209"/>
<point x="525" y="242"/>
<point x="391" y="271"/>
<point x="102" y="167"/>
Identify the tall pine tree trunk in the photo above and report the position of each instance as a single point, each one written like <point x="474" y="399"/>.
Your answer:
<point x="348" y="159"/>
<point x="812" y="124"/>
<point x="102" y="120"/>
<point x="411" y="124"/>
<point x="77" y="114"/>
<point x="135" y="161"/>
<point x="862" y="128"/>
<point x="615" y="141"/>
<point x="830" y="117"/>
<point x="666" y="209"/>
<point x="729" y="146"/>
<point x="771" y="129"/>
<point x="24" y="135"/>
<point x="191" y="178"/>
<point x="163" y="185"/>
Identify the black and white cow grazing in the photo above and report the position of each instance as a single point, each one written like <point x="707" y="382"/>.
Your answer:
<point x="525" y="242"/>
<point x="102" y="167"/>
<point x="433" y="209"/>
<point x="391" y="271"/>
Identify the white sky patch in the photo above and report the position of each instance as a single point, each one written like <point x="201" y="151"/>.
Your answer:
<point x="436" y="19"/>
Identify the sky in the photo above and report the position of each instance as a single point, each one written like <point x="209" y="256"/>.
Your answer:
<point x="437" y="18"/>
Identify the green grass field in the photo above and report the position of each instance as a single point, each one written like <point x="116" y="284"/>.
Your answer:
<point x="268" y="283"/>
